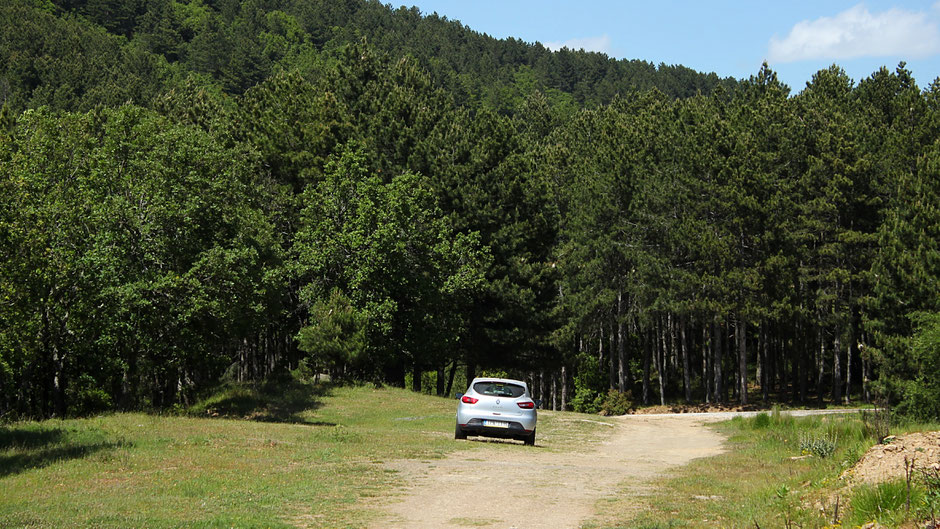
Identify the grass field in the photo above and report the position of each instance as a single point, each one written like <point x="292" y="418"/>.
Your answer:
<point x="777" y="472"/>
<point x="292" y="454"/>
<point x="307" y="456"/>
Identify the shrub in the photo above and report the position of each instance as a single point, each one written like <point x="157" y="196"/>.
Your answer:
<point x="85" y="397"/>
<point x="589" y="385"/>
<point x="920" y="392"/>
<point x="587" y="400"/>
<point x="617" y="403"/>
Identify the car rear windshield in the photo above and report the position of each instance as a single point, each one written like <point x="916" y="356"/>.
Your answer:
<point x="498" y="389"/>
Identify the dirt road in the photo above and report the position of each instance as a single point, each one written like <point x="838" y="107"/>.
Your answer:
<point x="533" y="488"/>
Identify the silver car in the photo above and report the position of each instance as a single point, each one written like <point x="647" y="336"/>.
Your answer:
<point x="496" y="407"/>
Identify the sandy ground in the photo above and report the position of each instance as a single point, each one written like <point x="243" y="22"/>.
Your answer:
<point x="533" y="488"/>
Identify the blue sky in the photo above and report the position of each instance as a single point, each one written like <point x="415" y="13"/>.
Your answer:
<point x="731" y="38"/>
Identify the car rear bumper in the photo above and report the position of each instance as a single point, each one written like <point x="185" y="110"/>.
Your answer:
<point x="476" y="427"/>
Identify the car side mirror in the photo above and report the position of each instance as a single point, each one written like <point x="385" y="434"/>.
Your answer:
<point x="459" y="395"/>
<point x="538" y="403"/>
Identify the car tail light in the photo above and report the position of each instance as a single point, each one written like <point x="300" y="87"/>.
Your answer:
<point x="526" y="405"/>
<point x="468" y="400"/>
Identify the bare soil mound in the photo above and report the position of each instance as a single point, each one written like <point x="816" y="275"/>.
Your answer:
<point x="885" y="462"/>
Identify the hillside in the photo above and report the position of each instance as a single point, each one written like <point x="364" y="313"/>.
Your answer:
<point x="73" y="55"/>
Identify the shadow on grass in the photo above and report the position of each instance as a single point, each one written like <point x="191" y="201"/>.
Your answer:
<point x="501" y="441"/>
<point x="282" y="398"/>
<point x="31" y="447"/>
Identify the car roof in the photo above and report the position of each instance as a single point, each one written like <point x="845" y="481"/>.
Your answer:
<point x="504" y="380"/>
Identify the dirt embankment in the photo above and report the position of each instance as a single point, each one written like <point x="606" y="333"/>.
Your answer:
<point x="885" y="462"/>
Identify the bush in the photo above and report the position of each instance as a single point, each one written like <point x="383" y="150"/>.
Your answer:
<point x="587" y="400"/>
<point x="920" y="396"/>
<point x="85" y="397"/>
<point x="589" y="385"/>
<point x="617" y="403"/>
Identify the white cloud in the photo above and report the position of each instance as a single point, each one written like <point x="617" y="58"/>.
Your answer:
<point x="857" y="32"/>
<point x="599" y="44"/>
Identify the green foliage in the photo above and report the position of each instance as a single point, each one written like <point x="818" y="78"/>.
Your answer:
<point x="617" y="403"/>
<point x="885" y="503"/>
<point x="144" y="249"/>
<point x="930" y="479"/>
<point x="761" y="421"/>
<point x="878" y="422"/>
<point x="372" y="191"/>
<point x="588" y="386"/>
<point x="919" y="398"/>
<point x="86" y="396"/>
<point x="819" y="446"/>
<point x="390" y="250"/>
<point x="335" y="335"/>
<point x="281" y="398"/>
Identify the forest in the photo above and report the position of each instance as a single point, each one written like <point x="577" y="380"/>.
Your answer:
<point x="199" y="191"/>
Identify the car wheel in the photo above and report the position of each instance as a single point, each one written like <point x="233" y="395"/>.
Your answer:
<point x="458" y="433"/>
<point x="530" y="440"/>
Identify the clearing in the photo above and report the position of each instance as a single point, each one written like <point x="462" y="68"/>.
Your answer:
<point x="504" y="484"/>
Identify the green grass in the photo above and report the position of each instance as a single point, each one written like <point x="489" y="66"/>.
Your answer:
<point x="286" y="455"/>
<point x="777" y="471"/>
<point x="885" y="503"/>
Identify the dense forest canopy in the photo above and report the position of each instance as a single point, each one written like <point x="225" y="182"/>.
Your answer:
<point x="196" y="191"/>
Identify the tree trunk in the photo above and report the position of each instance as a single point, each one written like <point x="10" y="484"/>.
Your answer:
<point x="58" y="381"/>
<point x="759" y="361"/>
<point x="646" y="372"/>
<point x="564" y="388"/>
<point x="850" y="352"/>
<point x="416" y="378"/>
<point x="612" y="372"/>
<point x="741" y="335"/>
<point x="717" y="342"/>
<point x="706" y="376"/>
<point x="866" y="396"/>
<point x="440" y="380"/>
<point x="471" y="370"/>
<point x="820" y="365"/>
<point x="848" y="374"/>
<point x="686" y="368"/>
<point x="795" y="375"/>
<point x="621" y="348"/>
<point x="554" y="392"/>
<point x="836" y="369"/>
<point x="450" y="379"/>
<point x="804" y="371"/>
<point x="542" y="386"/>
<point x="660" y="361"/>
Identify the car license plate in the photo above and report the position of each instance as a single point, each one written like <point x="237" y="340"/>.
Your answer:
<point x="496" y="424"/>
